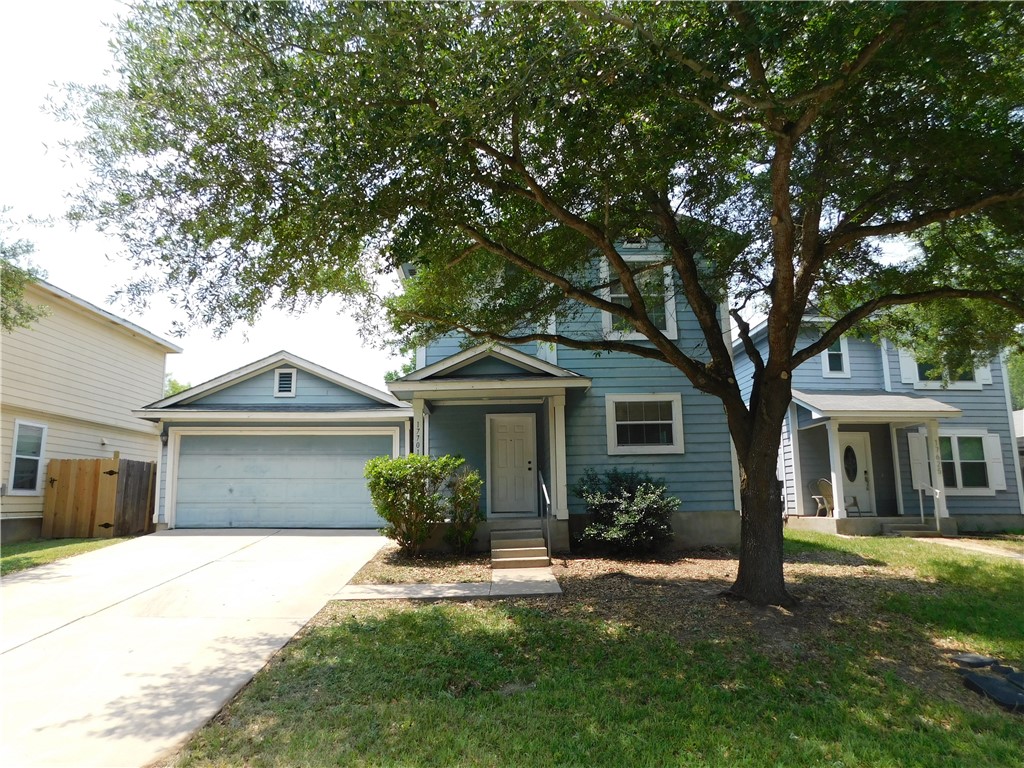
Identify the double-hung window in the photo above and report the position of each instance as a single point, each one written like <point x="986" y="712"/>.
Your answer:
<point x="27" y="459"/>
<point x="835" y="361"/>
<point x="926" y="376"/>
<point x="963" y="461"/>
<point x="644" y="423"/>
<point x="971" y="462"/>
<point x="655" y="284"/>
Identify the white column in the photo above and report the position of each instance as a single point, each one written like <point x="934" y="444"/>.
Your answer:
<point x="417" y="425"/>
<point x="560" y="490"/>
<point x="935" y="455"/>
<point x="551" y="473"/>
<point x="426" y="429"/>
<point x="836" y="465"/>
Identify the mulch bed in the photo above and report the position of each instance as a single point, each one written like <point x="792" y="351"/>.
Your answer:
<point x="389" y="566"/>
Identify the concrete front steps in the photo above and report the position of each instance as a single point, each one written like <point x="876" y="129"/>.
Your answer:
<point x="520" y="545"/>
<point x="910" y="530"/>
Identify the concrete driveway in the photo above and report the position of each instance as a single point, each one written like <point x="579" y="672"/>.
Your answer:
<point x="113" y="657"/>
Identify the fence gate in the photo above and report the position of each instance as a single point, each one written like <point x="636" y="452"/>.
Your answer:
<point x="98" y="498"/>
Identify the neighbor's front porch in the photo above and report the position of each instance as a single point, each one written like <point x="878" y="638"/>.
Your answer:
<point x="854" y="458"/>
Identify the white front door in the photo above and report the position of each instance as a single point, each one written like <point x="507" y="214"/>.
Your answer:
<point x="512" y="462"/>
<point x="855" y="462"/>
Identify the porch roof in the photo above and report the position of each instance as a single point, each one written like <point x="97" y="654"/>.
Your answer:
<point x="872" y="406"/>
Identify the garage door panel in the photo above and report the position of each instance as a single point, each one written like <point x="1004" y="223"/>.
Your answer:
<point x="276" y="480"/>
<point x="282" y="470"/>
<point x="253" y="492"/>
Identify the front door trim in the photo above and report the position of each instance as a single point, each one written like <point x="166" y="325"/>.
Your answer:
<point x="491" y="418"/>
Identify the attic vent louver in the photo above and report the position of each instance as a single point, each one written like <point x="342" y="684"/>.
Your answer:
<point x="284" y="382"/>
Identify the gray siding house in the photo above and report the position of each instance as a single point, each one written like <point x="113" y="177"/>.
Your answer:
<point x="894" y="442"/>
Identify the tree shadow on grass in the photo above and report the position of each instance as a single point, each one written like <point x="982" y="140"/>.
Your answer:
<point x="593" y="679"/>
<point x="640" y="663"/>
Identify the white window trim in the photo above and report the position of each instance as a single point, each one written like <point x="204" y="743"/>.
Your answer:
<point x="607" y="319"/>
<point x="994" y="464"/>
<point x="844" y="350"/>
<point x="614" y="449"/>
<point x="38" y="490"/>
<point x="277" y="382"/>
<point x="909" y="375"/>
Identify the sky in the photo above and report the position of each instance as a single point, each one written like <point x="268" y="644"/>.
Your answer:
<point x="44" y="43"/>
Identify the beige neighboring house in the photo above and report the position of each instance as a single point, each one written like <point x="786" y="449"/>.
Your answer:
<point x="67" y="390"/>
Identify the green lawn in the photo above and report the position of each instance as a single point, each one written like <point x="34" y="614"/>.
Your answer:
<point x="643" y="664"/>
<point x="29" y="554"/>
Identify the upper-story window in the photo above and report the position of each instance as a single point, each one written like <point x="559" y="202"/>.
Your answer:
<point x="929" y="372"/>
<point x="835" y="361"/>
<point x="655" y="285"/>
<point x="925" y="376"/>
<point x="27" y="459"/>
<point x="284" y="382"/>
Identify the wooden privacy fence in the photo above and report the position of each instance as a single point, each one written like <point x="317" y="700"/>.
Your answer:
<point x="98" y="498"/>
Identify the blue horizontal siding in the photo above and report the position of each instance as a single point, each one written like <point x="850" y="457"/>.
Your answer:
<point x="461" y="430"/>
<point x="309" y="390"/>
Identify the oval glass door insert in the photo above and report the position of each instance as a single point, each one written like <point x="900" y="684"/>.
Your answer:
<point x="850" y="463"/>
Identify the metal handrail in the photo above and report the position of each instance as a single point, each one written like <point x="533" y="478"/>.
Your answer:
<point x="546" y="511"/>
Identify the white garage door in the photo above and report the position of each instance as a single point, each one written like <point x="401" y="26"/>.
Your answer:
<point x="276" y="481"/>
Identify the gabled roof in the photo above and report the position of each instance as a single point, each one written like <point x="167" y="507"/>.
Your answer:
<point x="103" y="314"/>
<point x="527" y="363"/>
<point x="267" y="363"/>
<point x="537" y="375"/>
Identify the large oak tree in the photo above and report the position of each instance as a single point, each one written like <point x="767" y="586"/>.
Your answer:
<point x="256" y="153"/>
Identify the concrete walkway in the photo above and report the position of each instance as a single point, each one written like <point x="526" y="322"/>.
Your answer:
<point x="974" y="546"/>
<point x="114" y="657"/>
<point x="506" y="582"/>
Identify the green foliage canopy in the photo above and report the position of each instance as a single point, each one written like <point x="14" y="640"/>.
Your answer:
<point x="15" y="274"/>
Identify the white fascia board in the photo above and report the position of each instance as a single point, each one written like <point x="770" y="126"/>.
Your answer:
<point x="454" y="387"/>
<point x="885" y="417"/>
<point x="398" y="414"/>
<point x="267" y="363"/>
<point x="89" y="307"/>
<point x="468" y="356"/>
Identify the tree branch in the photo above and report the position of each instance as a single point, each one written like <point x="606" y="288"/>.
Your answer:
<point x="839" y="238"/>
<point x="853" y="317"/>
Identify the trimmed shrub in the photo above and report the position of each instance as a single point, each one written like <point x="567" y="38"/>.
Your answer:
<point x="416" y="493"/>
<point x="464" y="513"/>
<point x="629" y="510"/>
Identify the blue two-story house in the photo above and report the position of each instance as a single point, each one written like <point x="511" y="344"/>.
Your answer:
<point x="890" y="442"/>
<point x="282" y="442"/>
<point x="533" y="418"/>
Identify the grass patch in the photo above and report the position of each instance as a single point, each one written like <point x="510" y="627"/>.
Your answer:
<point x="390" y="566"/>
<point x="1008" y="542"/>
<point x="641" y="663"/>
<point x="29" y="554"/>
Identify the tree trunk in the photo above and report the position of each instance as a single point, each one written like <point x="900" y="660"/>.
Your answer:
<point x="760" y="578"/>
